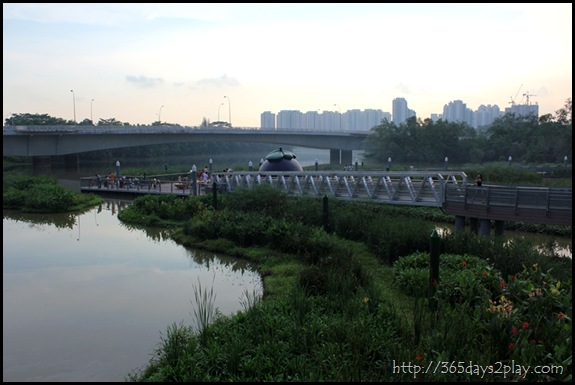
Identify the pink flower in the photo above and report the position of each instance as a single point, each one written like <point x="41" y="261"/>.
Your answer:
<point x="513" y="330"/>
<point x="525" y="325"/>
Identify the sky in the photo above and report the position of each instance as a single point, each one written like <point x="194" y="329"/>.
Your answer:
<point x="181" y="63"/>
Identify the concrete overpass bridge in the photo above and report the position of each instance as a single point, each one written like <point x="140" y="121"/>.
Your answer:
<point x="41" y="142"/>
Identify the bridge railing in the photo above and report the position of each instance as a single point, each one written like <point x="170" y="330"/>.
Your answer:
<point x="518" y="197"/>
<point x="170" y="129"/>
<point x="409" y="188"/>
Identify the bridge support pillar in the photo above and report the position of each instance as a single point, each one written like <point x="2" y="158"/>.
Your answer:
<point x="459" y="223"/>
<point x="41" y="164"/>
<point x="334" y="157"/>
<point x="346" y="157"/>
<point x="337" y="156"/>
<point x="484" y="226"/>
<point x="72" y="162"/>
<point x="474" y="225"/>
<point x="499" y="226"/>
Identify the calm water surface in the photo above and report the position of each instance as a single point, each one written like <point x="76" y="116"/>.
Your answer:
<point x="88" y="299"/>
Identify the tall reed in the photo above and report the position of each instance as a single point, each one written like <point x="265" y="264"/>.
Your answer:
<point x="204" y="311"/>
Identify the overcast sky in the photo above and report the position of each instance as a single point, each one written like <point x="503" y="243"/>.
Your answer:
<point x="132" y="59"/>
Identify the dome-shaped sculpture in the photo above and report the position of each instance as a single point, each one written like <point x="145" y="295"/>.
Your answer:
<point x="280" y="160"/>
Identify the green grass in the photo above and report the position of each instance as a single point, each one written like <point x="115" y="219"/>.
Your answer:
<point x="339" y="309"/>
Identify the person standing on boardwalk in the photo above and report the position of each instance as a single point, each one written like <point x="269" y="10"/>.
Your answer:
<point x="479" y="179"/>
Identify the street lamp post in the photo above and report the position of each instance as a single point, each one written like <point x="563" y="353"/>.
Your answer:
<point x="74" y="104"/>
<point x="388" y="163"/>
<point x="193" y="188"/>
<point x="229" y="110"/>
<point x="211" y="162"/>
<point x="219" y="107"/>
<point x="250" y="166"/>
<point x="339" y="115"/>
<point x="91" y="109"/>
<point x="446" y="160"/>
<point x="160" y="115"/>
<point x="509" y="160"/>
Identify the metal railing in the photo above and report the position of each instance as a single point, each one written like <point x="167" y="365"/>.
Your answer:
<point x="411" y="188"/>
<point x="448" y="190"/>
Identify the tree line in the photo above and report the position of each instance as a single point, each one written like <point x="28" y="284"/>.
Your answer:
<point x="527" y="139"/>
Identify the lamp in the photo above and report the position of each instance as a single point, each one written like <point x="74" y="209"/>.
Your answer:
<point x="229" y="110"/>
<point x="74" y="103"/>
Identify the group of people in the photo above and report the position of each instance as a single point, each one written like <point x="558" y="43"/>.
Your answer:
<point x="204" y="176"/>
<point x="111" y="181"/>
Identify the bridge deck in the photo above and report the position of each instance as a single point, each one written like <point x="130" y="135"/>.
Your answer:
<point x="447" y="190"/>
<point x="550" y="206"/>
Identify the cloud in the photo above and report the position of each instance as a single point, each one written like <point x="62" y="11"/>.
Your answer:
<point x="144" y="81"/>
<point x="222" y="81"/>
<point x="402" y="89"/>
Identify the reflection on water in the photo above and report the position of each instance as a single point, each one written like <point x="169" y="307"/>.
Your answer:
<point x="61" y="221"/>
<point x="546" y="244"/>
<point x="87" y="298"/>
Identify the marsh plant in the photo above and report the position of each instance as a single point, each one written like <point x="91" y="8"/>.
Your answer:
<point x="349" y="302"/>
<point x="249" y="300"/>
<point x="204" y="311"/>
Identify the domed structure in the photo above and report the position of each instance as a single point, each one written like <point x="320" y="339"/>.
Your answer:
<point x="280" y="160"/>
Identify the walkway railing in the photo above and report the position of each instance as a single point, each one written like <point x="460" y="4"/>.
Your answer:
<point x="413" y="188"/>
<point x="542" y="205"/>
<point x="448" y="190"/>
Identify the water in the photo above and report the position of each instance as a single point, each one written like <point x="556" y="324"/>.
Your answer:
<point x="88" y="298"/>
<point x="561" y="246"/>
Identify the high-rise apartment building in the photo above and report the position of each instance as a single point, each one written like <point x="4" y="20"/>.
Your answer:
<point x="485" y="115"/>
<point x="400" y="112"/>
<point x="523" y="109"/>
<point x="358" y="120"/>
<point x="457" y="111"/>
<point x="268" y="120"/>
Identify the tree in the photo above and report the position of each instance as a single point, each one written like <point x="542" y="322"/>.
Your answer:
<point x="565" y="115"/>
<point x="35" y="120"/>
<point x="110" y="122"/>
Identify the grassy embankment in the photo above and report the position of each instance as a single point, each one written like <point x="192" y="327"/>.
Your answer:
<point x="346" y="299"/>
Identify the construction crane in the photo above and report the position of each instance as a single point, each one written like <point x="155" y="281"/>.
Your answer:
<point x="512" y="102"/>
<point x="527" y="95"/>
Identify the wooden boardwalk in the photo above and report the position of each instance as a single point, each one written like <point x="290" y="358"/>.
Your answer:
<point x="446" y="190"/>
<point x="143" y="188"/>
<point x="540" y="205"/>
